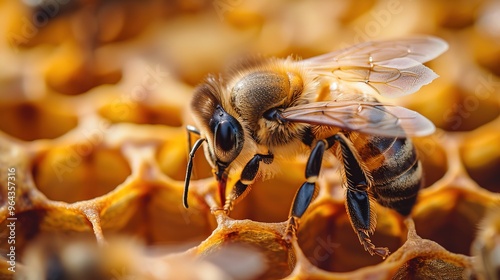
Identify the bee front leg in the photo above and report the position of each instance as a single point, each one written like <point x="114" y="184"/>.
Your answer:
<point x="308" y="191"/>
<point x="248" y="174"/>
<point x="358" y="200"/>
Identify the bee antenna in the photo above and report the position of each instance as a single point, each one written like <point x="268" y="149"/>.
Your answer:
<point x="189" y="170"/>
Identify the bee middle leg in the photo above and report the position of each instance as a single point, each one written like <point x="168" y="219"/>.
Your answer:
<point x="247" y="178"/>
<point x="358" y="204"/>
<point x="308" y="191"/>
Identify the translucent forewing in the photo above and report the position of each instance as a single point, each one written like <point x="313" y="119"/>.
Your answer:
<point x="391" y="68"/>
<point x="367" y="117"/>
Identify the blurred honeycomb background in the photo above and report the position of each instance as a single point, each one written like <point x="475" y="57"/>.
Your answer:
<point x="94" y="101"/>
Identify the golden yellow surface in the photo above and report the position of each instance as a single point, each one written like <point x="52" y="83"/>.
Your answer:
<point x="94" y="100"/>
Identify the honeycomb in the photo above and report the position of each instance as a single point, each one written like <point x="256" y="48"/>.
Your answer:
<point x="93" y="108"/>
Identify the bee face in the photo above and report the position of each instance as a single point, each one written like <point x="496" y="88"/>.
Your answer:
<point x="324" y="104"/>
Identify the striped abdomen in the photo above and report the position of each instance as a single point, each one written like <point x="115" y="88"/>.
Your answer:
<point x="395" y="168"/>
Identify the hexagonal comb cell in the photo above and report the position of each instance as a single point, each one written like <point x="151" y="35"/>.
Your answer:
<point x="79" y="172"/>
<point x="441" y="214"/>
<point x="107" y="203"/>
<point x="31" y="121"/>
<point x="329" y="242"/>
<point x="266" y="238"/>
<point x="481" y="158"/>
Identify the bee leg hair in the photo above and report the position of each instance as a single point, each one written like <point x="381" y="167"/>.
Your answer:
<point x="358" y="203"/>
<point x="241" y="188"/>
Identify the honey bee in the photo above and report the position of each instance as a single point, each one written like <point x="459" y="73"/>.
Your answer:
<point x="267" y="108"/>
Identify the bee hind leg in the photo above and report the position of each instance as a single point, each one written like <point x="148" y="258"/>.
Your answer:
<point x="358" y="209"/>
<point x="359" y="203"/>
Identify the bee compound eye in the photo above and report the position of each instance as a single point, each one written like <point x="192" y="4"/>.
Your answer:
<point x="228" y="141"/>
<point x="225" y="136"/>
<point x="228" y="136"/>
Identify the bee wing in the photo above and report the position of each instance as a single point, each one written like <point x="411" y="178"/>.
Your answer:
<point x="392" y="68"/>
<point x="366" y="117"/>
